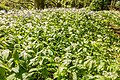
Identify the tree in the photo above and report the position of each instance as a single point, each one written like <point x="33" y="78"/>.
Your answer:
<point x="39" y="4"/>
<point x="101" y="4"/>
<point x="87" y="3"/>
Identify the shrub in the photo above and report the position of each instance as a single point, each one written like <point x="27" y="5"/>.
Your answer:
<point x="99" y="5"/>
<point x="117" y="5"/>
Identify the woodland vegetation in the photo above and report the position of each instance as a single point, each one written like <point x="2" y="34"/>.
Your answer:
<point x="59" y="40"/>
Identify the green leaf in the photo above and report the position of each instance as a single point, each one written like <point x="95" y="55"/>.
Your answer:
<point x="49" y="79"/>
<point x="74" y="76"/>
<point x="15" y="54"/>
<point x="2" y="73"/>
<point x="102" y="64"/>
<point x="5" y="54"/>
<point x="11" y="77"/>
<point x="29" y="75"/>
<point x="2" y="65"/>
<point x="50" y="52"/>
<point x="33" y="70"/>
<point x="16" y="69"/>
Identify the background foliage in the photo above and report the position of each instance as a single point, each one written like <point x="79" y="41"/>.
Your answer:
<point x="41" y="4"/>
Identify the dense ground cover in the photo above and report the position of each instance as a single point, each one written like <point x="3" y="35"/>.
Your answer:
<point x="60" y="44"/>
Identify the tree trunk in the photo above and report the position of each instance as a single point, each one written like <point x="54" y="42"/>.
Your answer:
<point x="39" y="4"/>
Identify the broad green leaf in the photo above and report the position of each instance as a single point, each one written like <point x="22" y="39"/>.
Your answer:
<point x="34" y="70"/>
<point x="5" y="54"/>
<point x="16" y="69"/>
<point x="2" y="73"/>
<point x="74" y="76"/>
<point x="11" y="77"/>
<point x="2" y="65"/>
<point x="15" y="54"/>
<point x="102" y="64"/>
